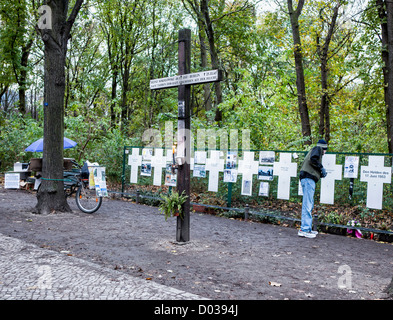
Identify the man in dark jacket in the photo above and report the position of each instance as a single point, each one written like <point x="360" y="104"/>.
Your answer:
<point x="310" y="173"/>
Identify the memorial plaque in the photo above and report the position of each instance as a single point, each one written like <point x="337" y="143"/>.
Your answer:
<point x="375" y="174"/>
<point x="186" y="79"/>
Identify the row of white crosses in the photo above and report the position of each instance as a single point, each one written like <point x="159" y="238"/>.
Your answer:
<point x="375" y="174"/>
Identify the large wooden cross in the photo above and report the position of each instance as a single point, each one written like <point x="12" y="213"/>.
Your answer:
<point x="183" y="82"/>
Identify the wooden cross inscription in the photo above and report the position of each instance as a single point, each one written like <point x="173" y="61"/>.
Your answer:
<point x="183" y="82"/>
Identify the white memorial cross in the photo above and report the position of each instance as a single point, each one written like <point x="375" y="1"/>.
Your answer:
<point x="135" y="161"/>
<point x="334" y="172"/>
<point x="285" y="169"/>
<point x="158" y="162"/>
<point x="248" y="167"/>
<point x="214" y="165"/>
<point x="375" y="174"/>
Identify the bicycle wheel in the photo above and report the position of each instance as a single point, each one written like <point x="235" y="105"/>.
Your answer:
<point x="87" y="200"/>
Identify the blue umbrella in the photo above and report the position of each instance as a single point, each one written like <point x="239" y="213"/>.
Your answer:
<point x="38" y="146"/>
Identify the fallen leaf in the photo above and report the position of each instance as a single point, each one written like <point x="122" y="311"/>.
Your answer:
<point x="274" y="284"/>
<point x="148" y="278"/>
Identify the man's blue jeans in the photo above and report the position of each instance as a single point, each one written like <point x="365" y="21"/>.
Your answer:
<point x="308" y="186"/>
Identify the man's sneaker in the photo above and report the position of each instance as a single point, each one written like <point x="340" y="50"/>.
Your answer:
<point x="314" y="232"/>
<point x="306" y="234"/>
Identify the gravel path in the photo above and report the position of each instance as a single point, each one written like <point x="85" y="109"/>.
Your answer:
<point x="225" y="259"/>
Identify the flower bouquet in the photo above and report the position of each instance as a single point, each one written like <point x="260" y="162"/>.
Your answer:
<point x="354" y="223"/>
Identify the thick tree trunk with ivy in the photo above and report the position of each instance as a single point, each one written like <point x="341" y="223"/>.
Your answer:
<point x="51" y="196"/>
<point x="300" y="82"/>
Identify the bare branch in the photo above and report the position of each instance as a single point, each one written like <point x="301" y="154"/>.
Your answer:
<point x="72" y="17"/>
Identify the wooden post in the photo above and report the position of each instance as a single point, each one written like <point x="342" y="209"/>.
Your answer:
<point x="183" y="138"/>
<point x="183" y="82"/>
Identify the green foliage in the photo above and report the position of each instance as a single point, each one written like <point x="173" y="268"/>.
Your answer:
<point x="97" y="142"/>
<point x="333" y="217"/>
<point x="117" y="48"/>
<point x="171" y="204"/>
<point x="17" y="134"/>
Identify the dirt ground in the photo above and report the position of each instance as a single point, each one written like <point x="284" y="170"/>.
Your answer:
<point x="225" y="258"/>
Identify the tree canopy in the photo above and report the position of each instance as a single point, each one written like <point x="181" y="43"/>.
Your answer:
<point x="116" y="47"/>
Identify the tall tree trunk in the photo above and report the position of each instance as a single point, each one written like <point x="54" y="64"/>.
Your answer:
<point x="385" y="12"/>
<point x="213" y="55"/>
<point x="389" y="92"/>
<point x="200" y="18"/>
<point x="114" y="65"/>
<point x="206" y="87"/>
<point x="124" y="106"/>
<point x="2" y="93"/>
<point x="51" y="196"/>
<point x="115" y="73"/>
<point x="324" y="120"/>
<point x="22" y="79"/>
<point x="323" y="53"/>
<point x="300" y="83"/>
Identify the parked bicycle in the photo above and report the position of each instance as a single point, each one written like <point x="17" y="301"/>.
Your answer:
<point x="76" y="181"/>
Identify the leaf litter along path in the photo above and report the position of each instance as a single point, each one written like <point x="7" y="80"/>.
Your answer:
<point x="225" y="258"/>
